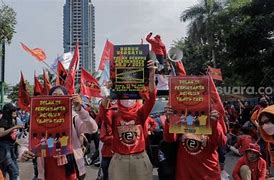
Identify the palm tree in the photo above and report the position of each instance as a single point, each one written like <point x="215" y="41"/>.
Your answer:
<point x="7" y="29"/>
<point x="201" y="27"/>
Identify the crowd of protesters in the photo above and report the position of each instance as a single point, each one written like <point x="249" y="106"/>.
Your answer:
<point x="134" y="141"/>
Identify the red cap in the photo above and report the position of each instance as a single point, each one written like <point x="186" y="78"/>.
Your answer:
<point x="254" y="148"/>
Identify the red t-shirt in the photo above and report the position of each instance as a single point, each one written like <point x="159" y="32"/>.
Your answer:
<point x="197" y="156"/>
<point x="107" y="138"/>
<point x="157" y="46"/>
<point x="258" y="169"/>
<point x="127" y="126"/>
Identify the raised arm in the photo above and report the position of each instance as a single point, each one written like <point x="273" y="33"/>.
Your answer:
<point x="105" y="113"/>
<point x="150" y="101"/>
<point x="149" y="39"/>
<point x="217" y="137"/>
<point x="168" y="137"/>
<point x="84" y="123"/>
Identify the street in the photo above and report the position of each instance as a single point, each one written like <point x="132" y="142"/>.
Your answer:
<point x="26" y="169"/>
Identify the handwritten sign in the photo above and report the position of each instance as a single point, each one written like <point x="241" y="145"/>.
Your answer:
<point x="50" y="125"/>
<point x="190" y="98"/>
<point x="127" y="71"/>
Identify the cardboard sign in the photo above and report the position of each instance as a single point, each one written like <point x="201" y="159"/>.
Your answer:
<point x="128" y="71"/>
<point x="190" y="98"/>
<point x="50" y="125"/>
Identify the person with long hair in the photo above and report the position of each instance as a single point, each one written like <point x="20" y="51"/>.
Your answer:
<point x="71" y="166"/>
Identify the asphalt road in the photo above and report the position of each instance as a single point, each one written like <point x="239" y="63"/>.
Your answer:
<point x="26" y="169"/>
<point x="26" y="172"/>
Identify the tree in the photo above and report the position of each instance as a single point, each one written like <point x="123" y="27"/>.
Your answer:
<point x="201" y="29"/>
<point x="7" y="29"/>
<point x="243" y="33"/>
<point x="14" y="93"/>
<point x="7" y="23"/>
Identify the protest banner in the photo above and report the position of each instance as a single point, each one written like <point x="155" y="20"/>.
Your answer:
<point x="128" y="71"/>
<point x="50" y="125"/>
<point x="190" y="98"/>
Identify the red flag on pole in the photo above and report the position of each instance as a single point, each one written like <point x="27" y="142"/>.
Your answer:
<point x="47" y="85"/>
<point x="106" y="55"/>
<point x="69" y="83"/>
<point x="23" y="95"/>
<point x="216" y="102"/>
<point x="61" y="74"/>
<point x="75" y="59"/>
<point x="180" y="68"/>
<point x="38" y="53"/>
<point x="37" y="88"/>
<point x="215" y="73"/>
<point x="89" y="85"/>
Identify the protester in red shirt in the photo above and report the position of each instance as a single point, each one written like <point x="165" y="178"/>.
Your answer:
<point x="197" y="156"/>
<point x="157" y="47"/>
<point x="130" y="158"/>
<point x="242" y="144"/>
<point x="251" y="165"/>
<point x="107" y="153"/>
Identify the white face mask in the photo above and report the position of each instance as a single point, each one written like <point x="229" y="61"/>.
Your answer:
<point x="128" y="103"/>
<point x="268" y="128"/>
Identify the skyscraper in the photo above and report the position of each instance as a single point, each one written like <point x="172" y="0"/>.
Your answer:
<point x="79" y="24"/>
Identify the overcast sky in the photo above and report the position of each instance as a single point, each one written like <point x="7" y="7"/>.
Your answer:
<point x="40" y="24"/>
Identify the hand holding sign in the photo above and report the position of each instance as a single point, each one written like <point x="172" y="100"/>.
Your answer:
<point x="214" y="115"/>
<point x="77" y="101"/>
<point x="151" y="66"/>
<point x="168" y="112"/>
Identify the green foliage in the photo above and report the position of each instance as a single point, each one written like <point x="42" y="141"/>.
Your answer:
<point x="14" y="93"/>
<point x="7" y="23"/>
<point x="239" y="35"/>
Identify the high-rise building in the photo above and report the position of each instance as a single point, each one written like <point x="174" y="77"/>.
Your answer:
<point x="79" y="25"/>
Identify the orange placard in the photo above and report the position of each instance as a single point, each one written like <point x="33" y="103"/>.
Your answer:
<point x="190" y="98"/>
<point x="50" y="125"/>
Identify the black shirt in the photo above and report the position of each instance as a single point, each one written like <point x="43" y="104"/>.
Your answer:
<point x="11" y="137"/>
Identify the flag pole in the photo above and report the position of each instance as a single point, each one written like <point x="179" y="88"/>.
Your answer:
<point x="52" y="70"/>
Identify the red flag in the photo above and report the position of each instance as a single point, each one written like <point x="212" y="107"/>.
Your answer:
<point x="89" y="85"/>
<point x="37" y="88"/>
<point x="215" y="73"/>
<point x="62" y="74"/>
<point x="180" y="68"/>
<point x="23" y="95"/>
<point x="216" y="102"/>
<point x="47" y="85"/>
<point x="107" y="54"/>
<point x="75" y="59"/>
<point x="69" y="83"/>
<point x="38" y="53"/>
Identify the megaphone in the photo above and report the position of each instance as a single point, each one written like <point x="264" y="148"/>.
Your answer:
<point x="175" y="55"/>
